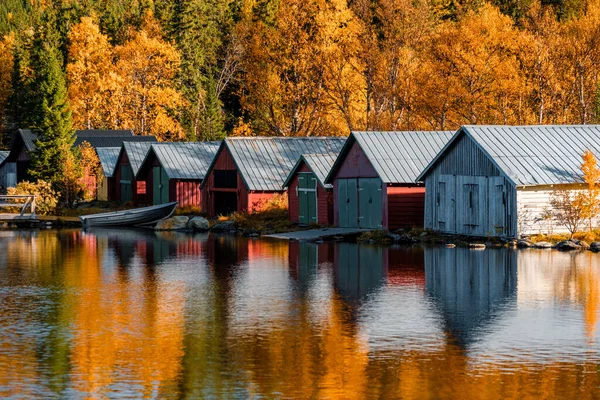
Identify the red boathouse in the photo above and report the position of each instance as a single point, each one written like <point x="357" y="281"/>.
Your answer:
<point x="374" y="178"/>
<point x="128" y="164"/>
<point x="248" y="171"/>
<point x="174" y="172"/>
<point x="310" y="199"/>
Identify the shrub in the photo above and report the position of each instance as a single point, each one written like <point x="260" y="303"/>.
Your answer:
<point x="46" y="199"/>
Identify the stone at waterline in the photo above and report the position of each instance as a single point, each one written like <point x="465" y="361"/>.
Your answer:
<point x="198" y="224"/>
<point x="543" y="245"/>
<point x="524" y="243"/>
<point x="567" y="245"/>
<point x="178" y="223"/>
<point x="595" y="247"/>
<point x="223" y="226"/>
<point x="476" y="246"/>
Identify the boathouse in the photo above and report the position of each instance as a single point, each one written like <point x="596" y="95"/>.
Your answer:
<point x="174" y="172"/>
<point x="499" y="180"/>
<point x="4" y="170"/>
<point x="129" y="161"/>
<point x="374" y="178"/>
<point x="310" y="199"/>
<point x="107" y="186"/>
<point x="248" y="171"/>
<point x="23" y="145"/>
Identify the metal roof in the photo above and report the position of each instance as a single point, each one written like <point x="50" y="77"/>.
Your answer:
<point x="536" y="154"/>
<point x="3" y="155"/>
<point x="265" y="162"/>
<point x="396" y="156"/>
<point x="108" y="158"/>
<point x="109" y="138"/>
<point x="136" y="153"/>
<point x="319" y="164"/>
<point x="95" y="137"/>
<point x="184" y="160"/>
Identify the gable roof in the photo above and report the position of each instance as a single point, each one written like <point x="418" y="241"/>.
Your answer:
<point x="3" y="155"/>
<point x="95" y="137"/>
<point x="532" y="155"/>
<point x="136" y="153"/>
<point x="109" y="138"/>
<point x="396" y="156"/>
<point x="265" y="162"/>
<point x="318" y="164"/>
<point x="108" y="159"/>
<point x="184" y="160"/>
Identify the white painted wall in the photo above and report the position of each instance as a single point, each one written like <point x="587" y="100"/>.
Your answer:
<point x="533" y="207"/>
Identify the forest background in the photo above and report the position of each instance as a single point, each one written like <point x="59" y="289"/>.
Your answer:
<point x="205" y="69"/>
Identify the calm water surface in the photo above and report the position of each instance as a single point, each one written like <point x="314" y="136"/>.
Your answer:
<point x="129" y="314"/>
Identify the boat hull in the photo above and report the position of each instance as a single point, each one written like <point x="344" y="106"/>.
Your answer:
<point x="134" y="217"/>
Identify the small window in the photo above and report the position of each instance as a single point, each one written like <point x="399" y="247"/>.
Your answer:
<point x="225" y="179"/>
<point x="141" y="187"/>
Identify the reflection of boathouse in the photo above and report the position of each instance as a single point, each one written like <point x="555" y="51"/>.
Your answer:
<point x="470" y="288"/>
<point x="359" y="269"/>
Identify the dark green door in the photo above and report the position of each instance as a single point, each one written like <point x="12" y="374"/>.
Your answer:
<point x="307" y="198"/>
<point x="126" y="177"/>
<point x="370" y="213"/>
<point x="160" y="189"/>
<point x="347" y="203"/>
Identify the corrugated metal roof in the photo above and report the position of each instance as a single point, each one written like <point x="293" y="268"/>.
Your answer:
<point x="536" y="154"/>
<point x="111" y="140"/>
<point x="29" y="137"/>
<point x="398" y="157"/>
<point x="265" y="162"/>
<point x="319" y="164"/>
<point x="185" y="160"/>
<point x="108" y="159"/>
<point x="3" y="155"/>
<point x="95" y="137"/>
<point x="136" y="152"/>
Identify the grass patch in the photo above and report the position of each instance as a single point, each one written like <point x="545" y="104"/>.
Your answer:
<point x="274" y="221"/>
<point x="190" y="210"/>
<point x="377" y="236"/>
<point x="588" y="237"/>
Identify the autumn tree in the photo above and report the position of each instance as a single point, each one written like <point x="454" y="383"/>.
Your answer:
<point x="568" y="209"/>
<point x="591" y="176"/>
<point x="147" y="67"/>
<point x="6" y="69"/>
<point x="90" y="62"/>
<point x="91" y="170"/>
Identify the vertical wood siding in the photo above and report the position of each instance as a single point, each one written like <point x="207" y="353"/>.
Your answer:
<point x="185" y="192"/>
<point x="405" y="207"/>
<point x="356" y="165"/>
<point x="224" y="161"/>
<point x="466" y="194"/>
<point x="324" y="201"/>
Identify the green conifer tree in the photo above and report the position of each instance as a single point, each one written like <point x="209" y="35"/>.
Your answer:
<point x="52" y="118"/>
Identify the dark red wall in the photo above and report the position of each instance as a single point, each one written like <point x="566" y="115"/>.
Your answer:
<point x="247" y="200"/>
<point x="185" y="192"/>
<point x="405" y="207"/>
<point x="324" y="201"/>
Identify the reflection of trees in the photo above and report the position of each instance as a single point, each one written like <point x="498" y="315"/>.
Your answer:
<point x="579" y="284"/>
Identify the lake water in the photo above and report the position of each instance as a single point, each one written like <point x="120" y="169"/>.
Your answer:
<point x="129" y="314"/>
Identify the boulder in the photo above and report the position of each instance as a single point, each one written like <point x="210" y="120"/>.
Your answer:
<point x="198" y="224"/>
<point x="178" y="223"/>
<point x="543" y="245"/>
<point x="581" y="243"/>
<point x="567" y="245"/>
<point x="524" y="243"/>
<point x="450" y="245"/>
<point x="224" y="226"/>
<point x="595" y="247"/>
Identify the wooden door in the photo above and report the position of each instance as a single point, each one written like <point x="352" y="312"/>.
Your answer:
<point x="307" y="198"/>
<point x="347" y="203"/>
<point x="445" y="204"/>
<point x="126" y="188"/>
<point x="370" y="204"/>
<point x="497" y="206"/>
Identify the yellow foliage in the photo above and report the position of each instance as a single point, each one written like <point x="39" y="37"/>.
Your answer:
<point x="6" y="65"/>
<point x="46" y="198"/>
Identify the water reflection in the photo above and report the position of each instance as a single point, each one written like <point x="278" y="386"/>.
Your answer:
<point x="139" y="314"/>
<point x="471" y="288"/>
